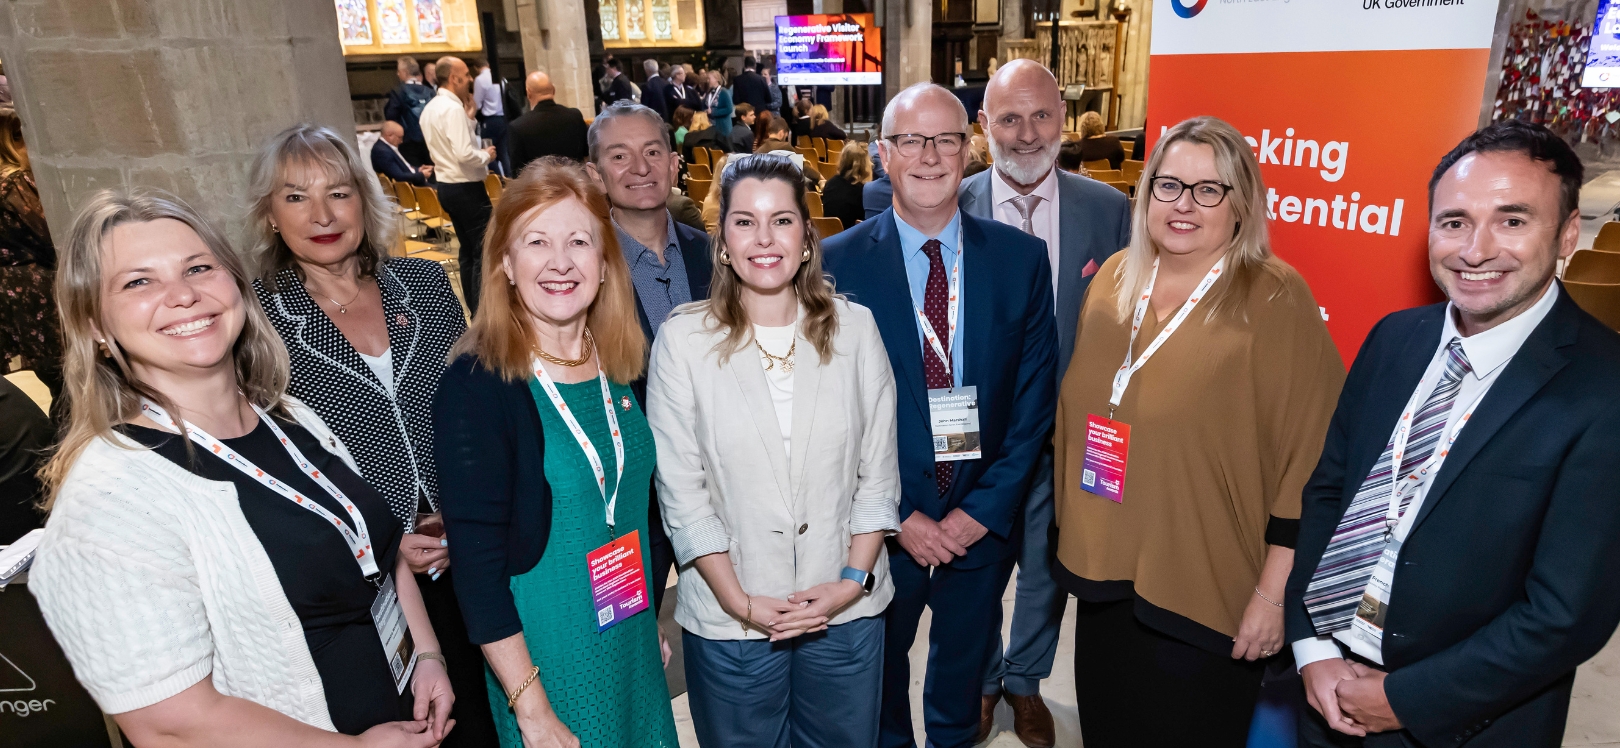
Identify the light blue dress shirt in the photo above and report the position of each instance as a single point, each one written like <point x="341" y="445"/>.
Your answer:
<point x="911" y="244"/>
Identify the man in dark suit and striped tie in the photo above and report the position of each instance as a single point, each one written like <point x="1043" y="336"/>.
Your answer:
<point x="1450" y="600"/>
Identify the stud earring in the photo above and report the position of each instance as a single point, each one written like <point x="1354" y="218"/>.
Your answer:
<point x="725" y="258"/>
<point x="274" y="228"/>
<point x="805" y="257"/>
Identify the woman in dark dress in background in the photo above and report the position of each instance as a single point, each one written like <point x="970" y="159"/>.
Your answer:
<point x="28" y="325"/>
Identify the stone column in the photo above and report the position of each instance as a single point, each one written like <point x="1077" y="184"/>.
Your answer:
<point x="908" y="44"/>
<point x="554" y="40"/>
<point x="174" y="94"/>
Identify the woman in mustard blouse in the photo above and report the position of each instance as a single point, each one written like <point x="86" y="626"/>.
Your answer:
<point x="1179" y="475"/>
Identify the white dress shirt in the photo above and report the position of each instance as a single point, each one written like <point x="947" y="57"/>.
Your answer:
<point x="450" y="140"/>
<point x="1043" y="219"/>
<point x="487" y="94"/>
<point x="1488" y="354"/>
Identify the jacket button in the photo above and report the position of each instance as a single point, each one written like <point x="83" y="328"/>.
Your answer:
<point x="802" y="528"/>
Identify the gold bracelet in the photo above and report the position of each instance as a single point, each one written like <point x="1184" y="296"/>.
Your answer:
<point x="534" y="673"/>
<point x="1267" y="599"/>
<point x="749" y="616"/>
<point x="433" y="656"/>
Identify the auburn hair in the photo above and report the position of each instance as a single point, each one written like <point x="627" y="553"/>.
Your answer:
<point x="501" y="334"/>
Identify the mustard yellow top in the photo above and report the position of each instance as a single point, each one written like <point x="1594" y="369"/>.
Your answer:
<point x="1227" y="422"/>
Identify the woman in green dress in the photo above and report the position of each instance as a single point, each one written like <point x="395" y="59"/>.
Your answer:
<point x="547" y="461"/>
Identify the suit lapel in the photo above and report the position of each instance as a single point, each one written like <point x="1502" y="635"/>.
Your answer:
<point x="404" y="326"/>
<point x="1527" y="372"/>
<point x="745" y="366"/>
<point x="978" y="200"/>
<point x="699" y="268"/>
<point x="892" y="308"/>
<point x="316" y="333"/>
<point x="1382" y="414"/>
<point x="806" y="387"/>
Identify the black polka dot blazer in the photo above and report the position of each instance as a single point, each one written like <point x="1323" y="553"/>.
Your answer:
<point x="391" y="437"/>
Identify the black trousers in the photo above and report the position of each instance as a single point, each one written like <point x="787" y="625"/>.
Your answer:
<point x="475" y="726"/>
<point x="1138" y="688"/>
<point x="415" y="153"/>
<point x="468" y="206"/>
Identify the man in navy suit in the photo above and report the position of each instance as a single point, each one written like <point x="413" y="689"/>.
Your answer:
<point x="1452" y="604"/>
<point x="387" y="158"/>
<point x="994" y="356"/>
<point x="1082" y="222"/>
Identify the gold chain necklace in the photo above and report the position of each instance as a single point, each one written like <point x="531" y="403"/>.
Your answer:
<point x="772" y="360"/>
<point x="343" y="308"/>
<point x="585" y="353"/>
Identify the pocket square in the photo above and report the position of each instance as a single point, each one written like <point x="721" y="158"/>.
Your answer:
<point x="1090" y="269"/>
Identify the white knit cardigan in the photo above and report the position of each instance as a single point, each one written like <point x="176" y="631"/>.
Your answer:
<point x="151" y="579"/>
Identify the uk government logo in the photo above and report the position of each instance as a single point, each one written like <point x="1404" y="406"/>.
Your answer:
<point x="1188" y="8"/>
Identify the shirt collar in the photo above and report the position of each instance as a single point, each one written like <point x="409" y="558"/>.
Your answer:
<point x="442" y="92"/>
<point x="1001" y="191"/>
<point x="634" y="249"/>
<point x="1488" y="350"/>
<point x="912" y="240"/>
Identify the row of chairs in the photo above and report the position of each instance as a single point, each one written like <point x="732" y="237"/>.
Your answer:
<point x="1592" y="276"/>
<point x="700" y="177"/>
<point x="1123" y="179"/>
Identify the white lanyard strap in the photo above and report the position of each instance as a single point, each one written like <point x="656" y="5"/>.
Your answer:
<point x="952" y="308"/>
<point x="1122" y="378"/>
<point x="585" y="445"/>
<point x="358" y="538"/>
<point x="1403" y="432"/>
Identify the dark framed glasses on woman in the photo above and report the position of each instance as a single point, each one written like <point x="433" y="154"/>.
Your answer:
<point x="1207" y="193"/>
<point x="910" y="144"/>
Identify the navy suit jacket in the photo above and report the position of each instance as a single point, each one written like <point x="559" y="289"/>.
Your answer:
<point x="1510" y="577"/>
<point x="878" y="196"/>
<point x="699" y="270"/>
<point x="384" y="159"/>
<point x="1094" y="222"/>
<point x="1010" y="346"/>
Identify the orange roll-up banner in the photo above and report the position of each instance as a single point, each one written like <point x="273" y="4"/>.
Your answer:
<point x="1349" y="105"/>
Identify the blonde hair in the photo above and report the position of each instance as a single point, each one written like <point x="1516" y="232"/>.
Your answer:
<point x="700" y="121"/>
<point x="818" y="114"/>
<point x="711" y="201"/>
<point x="501" y="335"/>
<point x="13" y="154"/>
<point x="1091" y="125"/>
<point x="1248" y="254"/>
<point x="314" y="147"/>
<point x="854" y="163"/>
<point x="814" y="289"/>
<point x="102" y="389"/>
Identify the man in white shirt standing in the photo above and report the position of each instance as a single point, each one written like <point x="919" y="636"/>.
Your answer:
<point x="492" y="112"/>
<point x="1082" y="223"/>
<point x="1450" y="600"/>
<point x="460" y="168"/>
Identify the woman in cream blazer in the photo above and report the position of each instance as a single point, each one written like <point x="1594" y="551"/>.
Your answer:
<point x="778" y="478"/>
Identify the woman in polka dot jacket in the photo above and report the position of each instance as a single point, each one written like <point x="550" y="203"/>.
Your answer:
<point x="369" y="337"/>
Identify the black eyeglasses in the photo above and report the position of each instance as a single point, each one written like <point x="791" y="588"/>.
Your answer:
<point x="910" y="144"/>
<point x="1207" y="193"/>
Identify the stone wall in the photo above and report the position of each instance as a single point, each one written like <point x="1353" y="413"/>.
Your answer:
<point x="173" y="94"/>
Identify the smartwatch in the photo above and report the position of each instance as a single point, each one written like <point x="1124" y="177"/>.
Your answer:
<point x="863" y="578"/>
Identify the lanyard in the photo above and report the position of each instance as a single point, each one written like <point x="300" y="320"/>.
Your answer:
<point x="1122" y="379"/>
<point x="953" y="306"/>
<point x="1403" y="431"/>
<point x="359" y="539"/>
<point x="585" y="444"/>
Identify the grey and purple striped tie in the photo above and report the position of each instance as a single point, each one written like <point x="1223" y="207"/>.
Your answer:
<point x="1341" y="577"/>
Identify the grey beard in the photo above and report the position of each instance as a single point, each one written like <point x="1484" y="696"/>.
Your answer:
<point x="1024" y="169"/>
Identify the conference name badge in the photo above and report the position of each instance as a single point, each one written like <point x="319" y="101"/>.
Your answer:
<point x="395" y="633"/>
<point x="1102" y="471"/>
<point x="954" y="413"/>
<point x="618" y="580"/>
<point x="1366" y="632"/>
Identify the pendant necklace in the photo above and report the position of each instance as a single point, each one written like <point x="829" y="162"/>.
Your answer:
<point x="772" y="360"/>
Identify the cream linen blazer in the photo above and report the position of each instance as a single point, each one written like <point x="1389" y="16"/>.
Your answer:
<point x="726" y="486"/>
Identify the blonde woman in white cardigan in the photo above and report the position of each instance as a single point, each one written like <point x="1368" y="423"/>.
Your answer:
<point x="200" y="602"/>
<point x="779" y="480"/>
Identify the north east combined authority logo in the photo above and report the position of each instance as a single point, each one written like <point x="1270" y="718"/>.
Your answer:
<point x="1188" y="8"/>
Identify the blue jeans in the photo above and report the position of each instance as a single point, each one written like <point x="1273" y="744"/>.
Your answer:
<point x="1038" y="604"/>
<point x="821" y="690"/>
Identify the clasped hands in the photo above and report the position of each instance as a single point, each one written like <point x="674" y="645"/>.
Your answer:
<point x="933" y="543"/>
<point x="1350" y="696"/>
<point x="804" y="612"/>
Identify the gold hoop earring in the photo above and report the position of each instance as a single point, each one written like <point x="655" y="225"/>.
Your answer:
<point x="725" y="258"/>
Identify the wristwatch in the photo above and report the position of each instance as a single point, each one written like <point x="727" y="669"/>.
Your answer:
<point x="863" y="578"/>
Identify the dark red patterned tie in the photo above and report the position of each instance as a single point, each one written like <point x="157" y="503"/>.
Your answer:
<point x="936" y="298"/>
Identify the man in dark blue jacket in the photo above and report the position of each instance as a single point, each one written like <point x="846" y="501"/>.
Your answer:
<point x="387" y="159"/>
<point x="964" y="306"/>
<point x="404" y="105"/>
<point x="1452" y="604"/>
<point x="750" y="88"/>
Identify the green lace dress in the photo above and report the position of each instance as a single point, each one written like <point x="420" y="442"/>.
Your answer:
<point x="607" y="687"/>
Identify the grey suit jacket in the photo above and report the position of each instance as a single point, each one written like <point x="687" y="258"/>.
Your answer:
<point x="1094" y="223"/>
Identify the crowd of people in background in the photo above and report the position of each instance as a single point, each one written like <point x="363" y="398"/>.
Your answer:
<point x="334" y="504"/>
